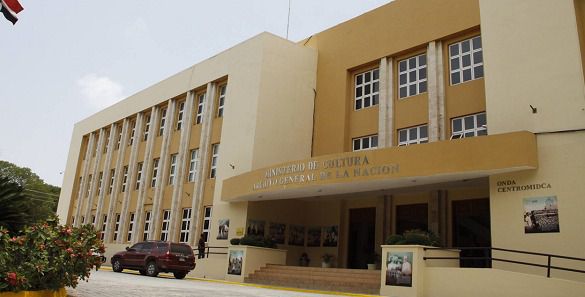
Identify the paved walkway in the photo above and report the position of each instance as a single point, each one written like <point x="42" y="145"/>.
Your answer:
<point x="107" y="283"/>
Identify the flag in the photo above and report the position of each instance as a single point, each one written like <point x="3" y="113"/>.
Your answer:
<point x="9" y="9"/>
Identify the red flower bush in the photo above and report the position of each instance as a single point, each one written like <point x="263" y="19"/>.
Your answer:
<point x="47" y="256"/>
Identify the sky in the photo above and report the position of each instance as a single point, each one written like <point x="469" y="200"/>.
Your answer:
<point x="66" y="60"/>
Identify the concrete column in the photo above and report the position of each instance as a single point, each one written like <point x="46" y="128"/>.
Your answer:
<point x="386" y="110"/>
<point x="433" y="211"/>
<point x="117" y="181"/>
<point x="436" y="91"/>
<point x="443" y="219"/>
<point x="95" y="177"/>
<point x="176" y="213"/>
<point x="130" y="180"/>
<point x="106" y="177"/>
<point x="441" y="90"/>
<point x="84" y="176"/>
<point x="162" y="173"/>
<point x="146" y="168"/>
<point x="203" y="164"/>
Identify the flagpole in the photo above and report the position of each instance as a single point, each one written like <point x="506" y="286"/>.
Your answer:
<point x="288" y="20"/>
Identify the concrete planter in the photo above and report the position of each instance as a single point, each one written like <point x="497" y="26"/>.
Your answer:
<point x="43" y="293"/>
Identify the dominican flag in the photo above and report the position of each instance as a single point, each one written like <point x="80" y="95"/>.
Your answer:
<point x="9" y="9"/>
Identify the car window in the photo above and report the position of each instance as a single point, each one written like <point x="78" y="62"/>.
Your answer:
<point x="162" y="247"/>
<point x="181" y="249"/>
<point x="148" y="246"/>
<point x="138" y="247"/>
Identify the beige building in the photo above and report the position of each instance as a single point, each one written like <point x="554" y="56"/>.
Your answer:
<point x="463" y="117"/>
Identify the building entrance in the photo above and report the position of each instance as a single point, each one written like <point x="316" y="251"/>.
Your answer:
<point x="361" y="241"/>
<point x="471" y="228"/>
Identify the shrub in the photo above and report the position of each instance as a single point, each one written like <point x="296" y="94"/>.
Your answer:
<point x="259" y="241"/>
<point x="414" y="236"/>
<point x="47" y="256"/>
<point x="235" y="241"/>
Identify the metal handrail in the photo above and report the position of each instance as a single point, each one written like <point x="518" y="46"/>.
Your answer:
<point x="548" y="266"/>
<point x="209" y="252"/>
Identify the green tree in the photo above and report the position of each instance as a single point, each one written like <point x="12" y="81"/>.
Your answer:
<point x="45" y="195"/>
<point x="15" y="207"/>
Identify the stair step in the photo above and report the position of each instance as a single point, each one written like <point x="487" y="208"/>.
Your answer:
<point x="329" y="279"/>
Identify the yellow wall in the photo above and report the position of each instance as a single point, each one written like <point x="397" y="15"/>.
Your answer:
<point x="389" y="30"/>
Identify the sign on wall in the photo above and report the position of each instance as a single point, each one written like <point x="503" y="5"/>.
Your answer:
<point x="255" y="228"/>
<point x="235" y="262"/>
<point x="296" y="235"/>
<point x="330" y="236"/>
<point x="541" y="215"/>
<point x="399" y="269"/>
<point x="224" y="228"/>
<point x="314" y="236"/>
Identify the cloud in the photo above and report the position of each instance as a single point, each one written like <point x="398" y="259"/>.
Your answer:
<point x="100" y="91"/>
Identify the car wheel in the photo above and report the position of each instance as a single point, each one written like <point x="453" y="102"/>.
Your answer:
<point x="179" y="275"/>
<point x="117" y="266"/>
<point x="142" y="272"/>
<point x="151" y="269"/>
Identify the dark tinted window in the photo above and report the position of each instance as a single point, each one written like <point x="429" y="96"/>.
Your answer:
<point x="138" y="247"/>
<point x="148" y="246"/>
<point x="162" y="247"/>
<point x="182" y="249"/>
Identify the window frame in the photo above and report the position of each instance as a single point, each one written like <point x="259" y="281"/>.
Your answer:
<point x="373" y="138"/>
<point x="146" y="128"/>
<point x="193" y="163"/>
<point x="373" y="96"/>
<point x="165" y="224"/>
<point x="221" y="100"/>
<point x="459" y="58"/>
<point x="180" y="115"/>
<point x="147" y="224"/>
<point x="163" y="120"/>
<point x="153" y="180"/>
<point x="139" y="168"/>
<point x="418" y="82"/>
<point x="185" y="225"/>
<point x="477" y="129"/>
<point x="117" y="227"/>
<point x="417" y="140"/>
<point x="172" y="168"/>
<point x="131" y="227"/>
<point x="200" y="108"/>
<point x="214" y="160"/>
<point x="206" y="218"/>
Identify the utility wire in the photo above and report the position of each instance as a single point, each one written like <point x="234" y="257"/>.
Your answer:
<point x="288" y="20"/>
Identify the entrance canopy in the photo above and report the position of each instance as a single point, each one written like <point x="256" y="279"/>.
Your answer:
<point x="387" y="168"/>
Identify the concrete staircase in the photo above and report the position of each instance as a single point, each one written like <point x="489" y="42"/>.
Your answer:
<point x="314" y="278"/>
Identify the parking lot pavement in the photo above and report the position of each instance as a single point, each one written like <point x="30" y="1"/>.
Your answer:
<point x="107" y="283"/>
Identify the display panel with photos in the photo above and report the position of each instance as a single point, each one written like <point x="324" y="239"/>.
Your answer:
<point x="235" y="262"/>
<point x="255" y="228"/>
<point x="314" y="236"/>
<point x="399" y="269"/>
<point x="296" y="235"/>
<point x="541" y="215"/>
<point x="276" y="232"/>
<point x="224" y="228"/>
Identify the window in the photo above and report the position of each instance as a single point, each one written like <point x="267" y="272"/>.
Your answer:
<point x="172" y="169"/>
<point x="112" y="179"/>
<point x="82" y="220"/>
<point x="119" y="140"/>
<point x="164" y="232"/>
<point x="199" y="114"/>
<point x="100" y="179"/>
<point x="221" y="101"/>
<point x="88" y="185"/>
<point x="469" y="126"/>
<point x="466" y="60"/>
<point x="146" y="128"/>
<point x="366" y="89"/>
<point x="214" y="155"/>
<point x="412" y="73"/>
<point x="104" y="223"/>
<point x="93" y="220"/>
<point x="163" y="119"/>
<point x="139" y="174"/>
<point x="413" y="135"/>
<point x="365" y="143"/>
<point x="154" y="173"/>
<point x="130" y="227"/>
<point x="125" y="179"/>
<point x="117" y="227"/>
<point x="193" y="165"/>
<point x="180" y="115"/>
<point x="206" y="223"/>
<point x="133" y="123"/>
<point x="185" y="225"/>
<point x="107" y="141"/>
<point x="147" y="224"/>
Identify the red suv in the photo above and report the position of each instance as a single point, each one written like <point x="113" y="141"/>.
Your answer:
<point x="152" y="257"/>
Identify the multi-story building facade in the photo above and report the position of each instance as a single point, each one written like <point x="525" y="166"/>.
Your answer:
<point x="457" y="116"/>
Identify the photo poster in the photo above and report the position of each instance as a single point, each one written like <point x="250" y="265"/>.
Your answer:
<point x="276" y="231"/>
<point x="224" y="228"/>
<point x="399" y="269"/>
<point x="255" y="228"/>
<point x="314" y="236"/>
<point x="235" y="262"/>
<point x="330" y="236"/>
<point x="296" y="235"/>
<point x="541" y="215"/>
